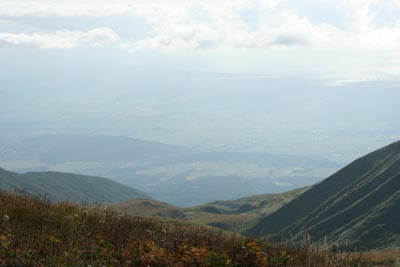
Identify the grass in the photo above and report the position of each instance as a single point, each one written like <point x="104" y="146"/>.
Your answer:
<point x="383" y="258"/>
<point x="36" y="232"/>
<point x="227" y="215"/>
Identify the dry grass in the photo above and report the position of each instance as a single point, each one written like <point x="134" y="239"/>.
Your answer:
<point x="36" y="232"/>
<point x="383" y="258"/>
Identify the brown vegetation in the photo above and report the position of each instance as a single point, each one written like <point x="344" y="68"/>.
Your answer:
<point x="36" y="232"/>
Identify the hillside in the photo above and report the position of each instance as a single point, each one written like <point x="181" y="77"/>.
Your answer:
<point x="358" y="206"/>
<point x="232" y="215"/>
<point x="150" y="208"/>
<point x="68" y="187"/>
<point x="261" y="204"/>
<point x="38" y="233"/>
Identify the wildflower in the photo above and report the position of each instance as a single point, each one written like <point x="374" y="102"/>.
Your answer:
<point x="149" y="231"/>
<point x="76" y="215"/>
<point x="163" y="231"/>
<point x="85" y="212"/>
<point x="6" y="217"/>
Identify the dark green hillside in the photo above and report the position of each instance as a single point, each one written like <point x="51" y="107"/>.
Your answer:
<point x="66" y="186"/>
<point x="359" y="205"/>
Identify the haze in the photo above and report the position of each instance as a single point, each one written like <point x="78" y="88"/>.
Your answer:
<point x="293" y="78"/>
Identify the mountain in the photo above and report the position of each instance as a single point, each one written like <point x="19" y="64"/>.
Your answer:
<point x="232" y="215"/>
<point x="181" y="176"/>
<point x="261" y="204"/>
<point x="228" y="175"/>
<point x="358" y="206"/>
<point x="94" y="148"/>
<point x="68" y="187"/>
<point x="199" y="177"/>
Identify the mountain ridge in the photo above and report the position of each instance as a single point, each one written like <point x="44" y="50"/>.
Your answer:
<point x="334" y="208"/>
<point x="59" y="186"/>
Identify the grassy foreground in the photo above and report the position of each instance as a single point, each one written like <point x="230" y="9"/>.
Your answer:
<point x="36" y="232"/>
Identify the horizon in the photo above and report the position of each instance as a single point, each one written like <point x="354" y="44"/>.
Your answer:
<point x="316" y="80"/>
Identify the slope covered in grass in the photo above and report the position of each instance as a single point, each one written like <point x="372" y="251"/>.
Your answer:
<point x="67" y="186"/>
<point x="232" y="215"/>
<point x="359" y="205"/>
<point x="38" y="233"/>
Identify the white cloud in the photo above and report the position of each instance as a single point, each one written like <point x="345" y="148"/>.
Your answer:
<point x="277" y="22"/>
<point x="177" y="25"/>
<point x="60" y="9"/>
<point x="60" y="39"/>
<point x="177" y="37"/>
<point x="363" y="31"/>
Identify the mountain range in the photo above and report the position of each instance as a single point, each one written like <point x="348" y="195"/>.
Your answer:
<point x="181" y="176"/>
<point x="59" y="186"/>
<point x="356" y="207"/>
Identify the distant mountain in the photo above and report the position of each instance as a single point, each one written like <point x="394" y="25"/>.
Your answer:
<point x="199" y="177"/>
<point x="69" y="187"/>
<point x="178" y="175"/>
<point x="96" y="148"/>
<point x="358" y="206"/>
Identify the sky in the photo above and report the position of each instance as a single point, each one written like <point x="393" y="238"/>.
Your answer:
<point x="343" y="40"/>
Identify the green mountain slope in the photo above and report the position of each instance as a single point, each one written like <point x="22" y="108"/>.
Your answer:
<point x="359" y="205"/>
<point x="150" y="208"/>
<point x="260" y="204"/>
<point x="232" y="215"/>
<point x="69" y="187"/>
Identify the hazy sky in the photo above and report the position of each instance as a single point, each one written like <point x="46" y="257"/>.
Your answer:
<point x="343" y="39"/>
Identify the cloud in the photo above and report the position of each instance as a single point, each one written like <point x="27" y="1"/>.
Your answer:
<point x="60" y="9"/>
<point x="289" y="40"/>
<point x="177" y="37"/>
<point x="360" y="31"/>
<point x="268" y="24"/>
<point x="236" y="24"/>
<point x="60" y="39"/>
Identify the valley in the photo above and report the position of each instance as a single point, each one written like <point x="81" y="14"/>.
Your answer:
<point x="184" y="133"/>
<point x="355" y="207"/>
<point x="178" y="175"/>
